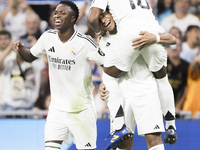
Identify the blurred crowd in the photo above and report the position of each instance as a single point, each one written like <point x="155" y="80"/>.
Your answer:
<point x="25" y="86"/>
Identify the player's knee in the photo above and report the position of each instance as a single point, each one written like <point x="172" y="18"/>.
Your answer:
<point x="52" y="146"/>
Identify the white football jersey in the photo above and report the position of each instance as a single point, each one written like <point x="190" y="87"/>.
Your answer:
<point x="130" y="14"/>
<point x="139" y="80"/>
<point x="69" y="69"/>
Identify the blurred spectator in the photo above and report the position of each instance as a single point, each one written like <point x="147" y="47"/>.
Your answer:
<point x="181" y="18"/>
<point x="153" y="4"/>
<point x="3" y="5"/>
<point x="164" y="8"/>
<point x="44" y="89"/>
<point x="101" y="106"/>
<point x="39" y="65"/>
<point x="176" y="33"/>
<point x="190" y="47"/>
<point x="29" y="39"/>
<point x="197" y="6"/>
<point x="6" y="55"/>
<point x="13" y="17"/>
<point x="177" y="69"/>
<point x="192" y="102"/>
<point x="51" y="24"/>
<point x="20" y="86"/>
<point x="81" y="24"/>
<point x="194" y="6"/>
<point x="33" y="31"/>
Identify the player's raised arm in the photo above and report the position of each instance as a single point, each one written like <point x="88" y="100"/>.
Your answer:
<point x="23" y="52"/>
<point x="149" y="38"/>
<point x="93" y="19"/>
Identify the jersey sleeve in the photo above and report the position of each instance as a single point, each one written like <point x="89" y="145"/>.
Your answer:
<point x="38" y="49"/>
<point x="94" y="52"/>
<point x="102" y="4"/>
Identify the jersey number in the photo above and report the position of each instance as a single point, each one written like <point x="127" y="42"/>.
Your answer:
<point x="140" y="3"/>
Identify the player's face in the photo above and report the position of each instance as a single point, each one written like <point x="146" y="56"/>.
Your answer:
<point x="106" y="22"/>
<point x="63" y="17"/>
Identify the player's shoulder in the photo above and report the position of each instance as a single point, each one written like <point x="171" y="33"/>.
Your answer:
<point x="51" y="31"/>
<point x="87" y="39"/>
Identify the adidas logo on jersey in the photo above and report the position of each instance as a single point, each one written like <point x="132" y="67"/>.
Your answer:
<point x="52" y="49"/>
<point x="88" y="145"/>
<point x="157" y="127"/>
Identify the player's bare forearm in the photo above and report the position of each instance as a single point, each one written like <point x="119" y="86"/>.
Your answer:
<point x="149" y="38"/>
<point x="93" y="19"/>
<point x="167" y="39"/>
<point x="23" y="52"/>
<point x="26" y="55"/>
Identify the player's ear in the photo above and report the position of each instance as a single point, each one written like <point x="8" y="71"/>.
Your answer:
<point x="73" y="19"/>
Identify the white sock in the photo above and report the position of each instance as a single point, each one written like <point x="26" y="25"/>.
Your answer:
<point x="115" y="100"/>
<point x="52" y="146"/>
<point x="166" y="97"/>
<point x="158" y="147"/>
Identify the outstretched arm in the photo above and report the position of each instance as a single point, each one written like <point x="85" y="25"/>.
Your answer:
<point x="93" y="19"/>
<point x="149" y="38"/>
<point x="23" y="52"/>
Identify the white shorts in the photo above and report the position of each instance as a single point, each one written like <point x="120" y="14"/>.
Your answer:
<point x="122" y="55"/>
<point x="80" y="125"/>
<point x="145" y="111"/>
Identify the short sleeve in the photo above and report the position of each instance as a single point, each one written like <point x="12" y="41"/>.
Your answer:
<point x="102" y="4"/>
<point x="38" y="49"/>
<point x="94" y="52"/>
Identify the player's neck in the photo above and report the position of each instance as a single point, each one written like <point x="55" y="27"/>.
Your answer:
<point x="65" y="36"/>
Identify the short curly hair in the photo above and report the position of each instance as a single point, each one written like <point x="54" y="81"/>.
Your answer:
<point x="73" y="6"/>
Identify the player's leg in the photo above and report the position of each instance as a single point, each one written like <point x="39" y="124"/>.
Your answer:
<point x="115" y="103"/>
<point x="53" y="145"/>
<point x="154" y="141"/>
<point x="167" y="103"/>
<point x="156" y="58"/>
<point x="55" y="130"/>
<point x="130" y="123"/>
<point x="148" y="116"/>
<point x="110" y="78"/>
<point x="82" y="128"/>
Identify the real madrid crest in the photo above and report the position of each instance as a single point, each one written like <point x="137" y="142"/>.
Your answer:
<point x="73" y="51"/>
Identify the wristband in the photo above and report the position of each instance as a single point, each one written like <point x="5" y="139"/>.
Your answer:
<point x="98" y="33"/>
<point x="158" y="38"/>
